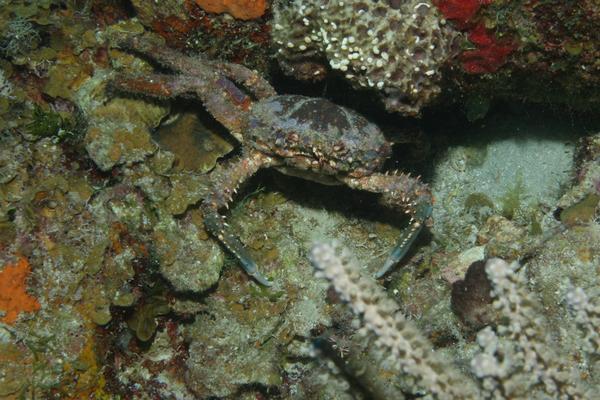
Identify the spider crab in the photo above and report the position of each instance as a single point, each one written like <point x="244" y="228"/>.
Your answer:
<point x="298" y="135"/>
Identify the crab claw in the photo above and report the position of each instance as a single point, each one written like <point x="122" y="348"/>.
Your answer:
<point x="214" y="223"/>
<point x="405" y="242"/>
<point x="250" y="267"/>
<point x="225" y="179"/>
<point x="407" y="238"/>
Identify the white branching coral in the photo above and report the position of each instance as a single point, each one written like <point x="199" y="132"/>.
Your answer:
<point x="587" y="314"/>
<point x="404" y="347"/>
<point x="394" y="47"/>
<point x="519" y="359"/>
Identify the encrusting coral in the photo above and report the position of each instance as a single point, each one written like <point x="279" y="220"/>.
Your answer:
<point x="240" y="9"/>
<point x="395" y="48"/>
<point x="13" y="297"/>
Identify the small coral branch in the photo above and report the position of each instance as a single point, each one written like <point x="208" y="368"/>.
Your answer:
<point x="587" y="314"/>
<point x="404" y="347"/>
<point x="519" y="359"/>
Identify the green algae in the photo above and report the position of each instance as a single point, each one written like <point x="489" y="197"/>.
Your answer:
<point x="535" y="224"/>
<point x="45" y="123"/>
<point x="478" y="200"/>
<point x="143" y="321"/>
<point x="510" y="203"/>
<point x="581" y="212"/>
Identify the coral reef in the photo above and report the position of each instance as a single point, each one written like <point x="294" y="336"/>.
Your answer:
<point x="174" y="20"/>
<point x="397" y="49"/>
<point x="111" y="287"/>
<point x="510" y="41"/>
<point x="242" y="42"/>
<point x="182" y="254"/>
<point x="18" y="37"/>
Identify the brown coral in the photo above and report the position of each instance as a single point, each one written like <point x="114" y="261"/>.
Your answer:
<point x="14" y="299"/>
<point x="240" y="9"/>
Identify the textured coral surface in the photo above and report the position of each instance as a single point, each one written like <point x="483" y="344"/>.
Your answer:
<point x="396" y="49"/>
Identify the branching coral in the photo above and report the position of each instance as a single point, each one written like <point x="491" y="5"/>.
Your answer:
<point x="518" y="360"/>
<point x="587" y="313"/>
<point x="403" y="345"/>
<point x="395" y="47"/>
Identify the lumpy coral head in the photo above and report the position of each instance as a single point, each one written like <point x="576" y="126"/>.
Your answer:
<point x="13" y="297"/>
<point x="240" y="9"/>
<point x="394" y="49"/>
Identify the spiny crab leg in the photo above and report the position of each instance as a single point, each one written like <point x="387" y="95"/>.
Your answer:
<point x="213" y="82"/>
<point x="225" y="101"/>
<point x="252" y="80"/>
<point x="226" y="179"/>
<point x="159" y="85"/>
<point x="399" y="191"/>
<point x="153" y="48"/>
<point x="197" y="65"/>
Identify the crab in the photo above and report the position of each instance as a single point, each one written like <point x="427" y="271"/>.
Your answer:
<point x="297" y="135"/>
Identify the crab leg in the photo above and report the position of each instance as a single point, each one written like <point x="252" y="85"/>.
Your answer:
<point x="225" y="101"/>
<point x="252" y="80"/>
<point x="153" y="49"/>
<point x="399" y="191"/>
<point x="198" y="65"/>
<point x="226" y="180"/>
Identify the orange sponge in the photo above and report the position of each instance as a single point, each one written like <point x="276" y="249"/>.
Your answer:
<point x="13" y="297"/>
<point x="240" y="9"/>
